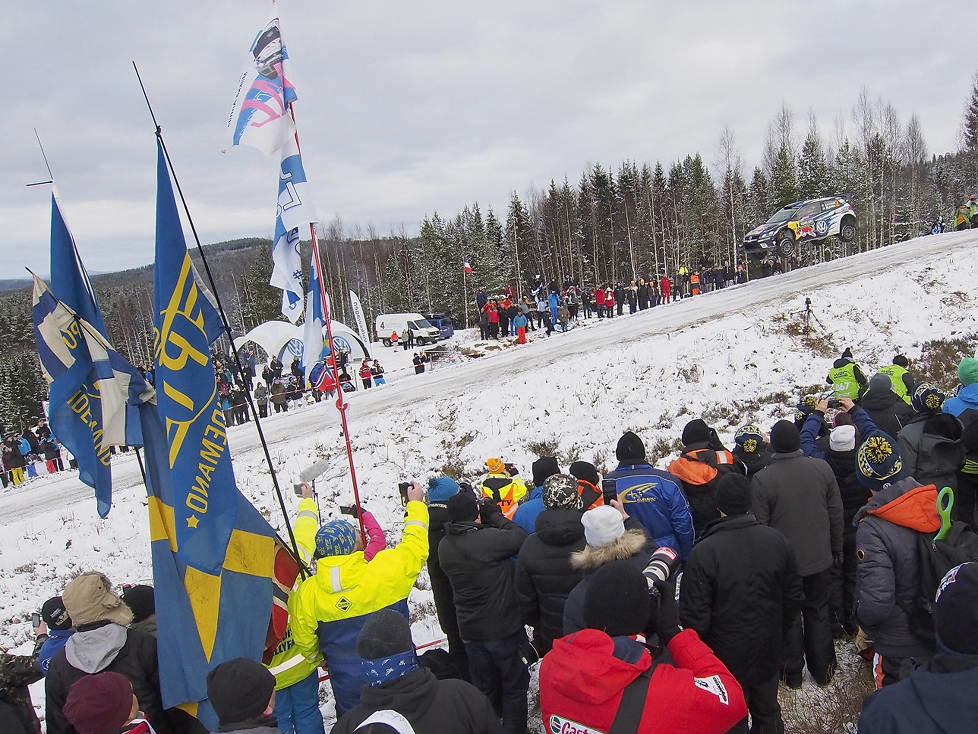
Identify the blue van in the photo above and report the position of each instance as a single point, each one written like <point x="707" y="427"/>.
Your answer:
<point x="443" y="322"/>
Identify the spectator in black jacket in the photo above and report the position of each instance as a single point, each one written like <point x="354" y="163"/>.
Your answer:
<point x="799" y="496"/>
<point x="102" y="642"/>
<point x="544" y="574"/>
<point x="475" y="555"/>
<point x="16" y="673"/>
<point x="741" y="592"/>
<point x="884" y="406"/>
<point x="400" y="687"/>
<point x="440" y="491"/>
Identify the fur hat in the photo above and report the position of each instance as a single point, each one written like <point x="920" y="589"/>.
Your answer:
<point x="239" y="690"/>
<point x="968" y="370"/>
<point x="696" y="431"/>
<point x="842" y="438"/>
<point x="956" y="610"/>
<point x="785" y="437"/>
<point x="463" y="507"/>
<point x="336" y="538"/>
<point x="630" y="448"/>
<point x="585" y="470"/>
<point x="602" y="525"/>
<point x="440" y="489"/>
<point x="927" y="398"/>
<point x="99" y="703"/>
<point x="495" y="465"/>
<point x="878" y="460"/>
<point x="55" y="615"/>
<point x="140" y="598"/>
<point x="545" y="466"/>
<point x="560" y="492"/>
<point x="617" y="600"/>
<point x="749" y="438"/>
<point x="89" y="598"/>
<point x="733" y="494"/>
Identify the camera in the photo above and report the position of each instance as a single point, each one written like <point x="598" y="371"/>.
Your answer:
<point x="403" y="489"/>
<point x="348" y="510"/>
<point x="834" y="403"/>
<point x="661" y="566"/>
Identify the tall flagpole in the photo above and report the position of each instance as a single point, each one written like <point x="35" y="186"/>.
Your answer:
<point x="341" y="404"/>
<point x="227" y="328"/>
<point x="465" y="295"/>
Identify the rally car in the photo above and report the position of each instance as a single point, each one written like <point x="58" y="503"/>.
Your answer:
<point x="811" y="220"/>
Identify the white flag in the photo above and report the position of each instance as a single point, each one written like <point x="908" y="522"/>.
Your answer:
<point x="358" y="315"/>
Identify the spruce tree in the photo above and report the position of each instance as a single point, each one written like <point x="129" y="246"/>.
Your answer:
<point x="970" y="123"/>
<point x="784" y="186"/>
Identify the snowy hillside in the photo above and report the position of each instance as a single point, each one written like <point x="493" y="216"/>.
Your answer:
<point x="735" y="356"/>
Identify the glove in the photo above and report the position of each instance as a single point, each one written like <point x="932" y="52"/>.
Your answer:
<point x="667" y="619"/>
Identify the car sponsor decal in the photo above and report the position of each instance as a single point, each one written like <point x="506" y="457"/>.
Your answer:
<point x="714" y="685"/>
<point x="560" y="725"/>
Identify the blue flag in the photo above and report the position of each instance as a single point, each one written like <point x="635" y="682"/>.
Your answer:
<point x="313" y="344"/>
<point x="69" y="281"/>
<point x="93" y="390"/>
<point x="213" y="552"/>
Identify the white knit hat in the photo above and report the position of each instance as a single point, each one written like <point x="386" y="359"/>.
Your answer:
<point x="843" y="438"/>
<point x="602" y="525"/>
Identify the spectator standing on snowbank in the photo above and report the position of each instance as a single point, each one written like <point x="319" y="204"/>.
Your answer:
<point x="846" y="378"/>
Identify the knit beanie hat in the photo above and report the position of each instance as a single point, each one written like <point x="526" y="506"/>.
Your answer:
<point x="97" y="704"/>
<point x="880" y="383"/>
<point x="336" y="538"/>
<point x="385" y="633"/>
<point x="463" y="507"/>
<point x="55" y="615"/>
<point x="495" y="465"/>
<point x="733" y="494"/>
<point x="602" y="525"/>
<point x="585" y="470"/>
<point x="89" y="598"/>
<point x="239" y="690"/>
<point x="630" y="448"/>
<point x="696" y="431"/>
<point x="545" y="466"/>
<point x="956" y="610"/>
<point x="806" y="406"/>
<point x="560" y="493"/>
<point x="617" y="599"/>
<point x="927" y="398"/>
<point x="968" y="370"/>
<point x="749" y="438"/>
<point x="878" y="460"/>
<point x="847" y="354"/>
<point x="785" y="437"/>
<point x="440" y="489"/>
<point x="141" y="600"/>
<point x="901" y="361"/>
<point x="842" y="438"/>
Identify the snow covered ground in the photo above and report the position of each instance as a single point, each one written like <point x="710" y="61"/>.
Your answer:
<point x="732" y="357"/>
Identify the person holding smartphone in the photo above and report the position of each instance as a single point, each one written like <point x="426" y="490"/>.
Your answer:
<point x="16" y="673"/>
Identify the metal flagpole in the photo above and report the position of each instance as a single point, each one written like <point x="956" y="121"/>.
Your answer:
<point x="227" y="328"/>
<point x="465" y="295"/>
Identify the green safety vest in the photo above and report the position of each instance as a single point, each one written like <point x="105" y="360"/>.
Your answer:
<point x="844" y="383"/>
<point x="895" y="372"/>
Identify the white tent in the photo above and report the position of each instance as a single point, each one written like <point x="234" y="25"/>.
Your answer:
<point x="282" y="339"/>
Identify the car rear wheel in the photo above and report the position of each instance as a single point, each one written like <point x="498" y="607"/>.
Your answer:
<point x="786" y="243"/>
<point x="847" y="230"/>
<point x="421" y="341"/>
<point x="387" y="342"/>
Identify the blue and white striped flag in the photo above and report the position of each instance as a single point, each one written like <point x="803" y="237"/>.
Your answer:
<point x="313" y="344"/>
<point x="295" y="210"/>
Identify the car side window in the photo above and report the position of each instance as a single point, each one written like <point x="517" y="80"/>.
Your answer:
<point x="808" y="210"/>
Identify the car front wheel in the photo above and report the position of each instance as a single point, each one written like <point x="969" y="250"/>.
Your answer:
<point x="786" y="243"/>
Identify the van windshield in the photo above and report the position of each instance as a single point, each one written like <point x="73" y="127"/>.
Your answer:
<point x="420" y="324"/>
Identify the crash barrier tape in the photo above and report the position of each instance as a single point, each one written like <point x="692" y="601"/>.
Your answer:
<point x="325" y="676"/>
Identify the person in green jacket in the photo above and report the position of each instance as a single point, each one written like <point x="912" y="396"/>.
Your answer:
<point x="846" y="378"/>
<point x="903" y="383"/>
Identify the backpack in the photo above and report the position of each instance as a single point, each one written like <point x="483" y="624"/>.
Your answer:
<point x="937" y="557"/>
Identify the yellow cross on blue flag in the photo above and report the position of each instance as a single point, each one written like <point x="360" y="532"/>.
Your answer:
<point x="213" y="552"/>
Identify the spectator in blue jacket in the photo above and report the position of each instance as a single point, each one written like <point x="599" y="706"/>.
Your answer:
<point x="964" y="406"/>
<point x="526" y="513"/>
<point x="653" y="497"/>
<point x="56" y="617"/>
<point x="939" y="696"/>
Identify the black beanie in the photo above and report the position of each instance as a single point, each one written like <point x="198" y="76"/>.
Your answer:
<point x="140" y="599"/>
<point x="785" y="437"/>
<point x="55" y="615"/>
<point x="901" y="361"/>
<point x="463" y="507"/>
<point x="545" y="466"/>
<point x="239" y="690"/>
<point x="733" y="494"/>
<point x="385" y="633"/>
<point x="696" y="431"/>
<point x="956" y="609"/>
<point x="630" y="448"/>
<point x="617" y="600"/>
<point x="586" y="471"/>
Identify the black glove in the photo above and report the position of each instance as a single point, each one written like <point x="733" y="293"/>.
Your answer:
<point x="667" y="619"/>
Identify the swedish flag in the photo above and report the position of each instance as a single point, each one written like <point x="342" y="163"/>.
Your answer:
<point x="213" y="553"/>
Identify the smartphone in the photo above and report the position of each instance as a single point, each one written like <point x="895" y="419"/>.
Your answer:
<point x="403" y="488"/>
<point x="35" y="620"/>
<point x="297" y="488"/>
<point x="609" y="490"/>
<point x="348" y="510"/>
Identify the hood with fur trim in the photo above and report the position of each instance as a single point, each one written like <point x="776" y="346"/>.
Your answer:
<point x="591" y="557"/>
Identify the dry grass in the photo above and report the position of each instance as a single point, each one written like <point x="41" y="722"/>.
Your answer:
<point x="834" y="709"/>
<point x="939" y="359"/>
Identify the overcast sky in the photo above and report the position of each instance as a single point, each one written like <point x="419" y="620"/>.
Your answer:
<point x="405" y="108"/>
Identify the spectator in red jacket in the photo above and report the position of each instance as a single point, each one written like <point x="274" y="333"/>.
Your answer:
<point x="665" y="285"/>
<point x="605" y="678"/>
<point x="365" y="374"/>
